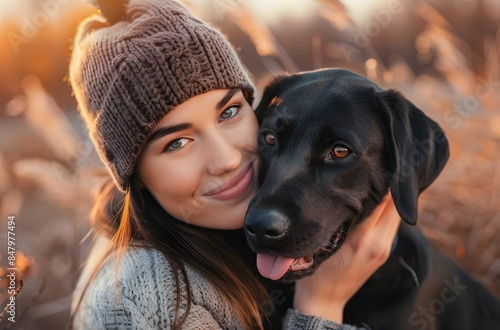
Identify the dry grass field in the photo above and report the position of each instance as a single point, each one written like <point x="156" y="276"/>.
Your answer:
<point x="443" y="55"/>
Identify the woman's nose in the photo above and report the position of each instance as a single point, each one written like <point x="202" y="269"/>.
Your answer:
<point x="223" y="155"/>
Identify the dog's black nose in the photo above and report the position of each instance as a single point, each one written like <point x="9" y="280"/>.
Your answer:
<point x="266" y="226"/>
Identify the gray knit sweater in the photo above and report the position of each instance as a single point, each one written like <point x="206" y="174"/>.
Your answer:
<point x="146" y="297"/>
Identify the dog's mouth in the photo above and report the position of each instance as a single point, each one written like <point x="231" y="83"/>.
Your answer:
<point x="291" y="269"/>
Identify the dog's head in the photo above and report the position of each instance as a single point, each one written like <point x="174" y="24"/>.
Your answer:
<point x="332" y="142"/>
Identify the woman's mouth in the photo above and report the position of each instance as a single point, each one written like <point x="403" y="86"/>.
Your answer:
<point x="234" y="187"/>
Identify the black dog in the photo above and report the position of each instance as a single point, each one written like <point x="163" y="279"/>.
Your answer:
<point x="332" y="143"/>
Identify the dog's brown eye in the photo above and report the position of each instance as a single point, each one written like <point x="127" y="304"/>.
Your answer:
<point x="270" y="139"/>
<point x="339" y="152"/>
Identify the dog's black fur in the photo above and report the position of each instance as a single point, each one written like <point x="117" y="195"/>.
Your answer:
<point x="307" y="194"/>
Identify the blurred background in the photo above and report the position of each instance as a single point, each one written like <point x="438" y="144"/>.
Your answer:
<point x="443" y="55"/>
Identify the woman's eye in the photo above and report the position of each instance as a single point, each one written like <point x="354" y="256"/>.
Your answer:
<point x="229" y="112"/>
<point x="339" y="152"/>
<point x="176" y="144"/>
<point x="270" y="139"/>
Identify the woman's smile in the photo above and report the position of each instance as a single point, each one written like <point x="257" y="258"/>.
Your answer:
<point x="234" y="187"/>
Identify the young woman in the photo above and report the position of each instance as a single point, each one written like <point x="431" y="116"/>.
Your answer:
<point x="168" y="106"/>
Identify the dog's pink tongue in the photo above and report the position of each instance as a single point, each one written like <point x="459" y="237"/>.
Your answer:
<point x="273" y="267"/>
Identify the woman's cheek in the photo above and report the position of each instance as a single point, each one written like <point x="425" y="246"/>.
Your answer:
<point x="250" y="140"/>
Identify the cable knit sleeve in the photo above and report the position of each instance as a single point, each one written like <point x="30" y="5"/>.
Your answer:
<point x="143" y="298"/>
<point x="295" y="320"/>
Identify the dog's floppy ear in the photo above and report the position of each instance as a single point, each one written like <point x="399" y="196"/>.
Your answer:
<point x="417" y="151"/>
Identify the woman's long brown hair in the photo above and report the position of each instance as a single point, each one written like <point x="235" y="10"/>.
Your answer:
<point x="136" y="217"/>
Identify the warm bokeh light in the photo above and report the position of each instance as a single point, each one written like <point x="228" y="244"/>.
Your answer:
<point x="9" y="7"/>
<point x="274" y="11"/>
<point x="362" y="10"/>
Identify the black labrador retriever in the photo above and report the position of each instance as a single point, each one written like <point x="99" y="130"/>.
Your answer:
<point x="332" y="143"/>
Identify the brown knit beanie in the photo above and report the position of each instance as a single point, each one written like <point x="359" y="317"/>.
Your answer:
<point x="130" y="71"/>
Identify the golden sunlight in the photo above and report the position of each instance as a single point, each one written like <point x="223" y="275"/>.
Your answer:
<point x="272" y="11"/>
<point x="8" y="7"/>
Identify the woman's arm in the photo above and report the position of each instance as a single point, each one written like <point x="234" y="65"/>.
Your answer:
<point x="297" y="321"/>
<point x="328" y="290"/>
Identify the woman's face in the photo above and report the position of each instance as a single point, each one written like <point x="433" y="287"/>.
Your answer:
<point x="201" y="160"/>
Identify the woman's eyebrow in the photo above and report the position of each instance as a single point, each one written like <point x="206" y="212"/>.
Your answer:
<point x="226" y="98"/>
<point x="162" y="131"/>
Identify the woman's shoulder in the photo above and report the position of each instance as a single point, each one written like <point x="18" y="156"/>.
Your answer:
<point x="142" y="264"/>
<point x="140" y="288"/>
<point x="140" y="268"/>
<point x="146" y="291"/>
